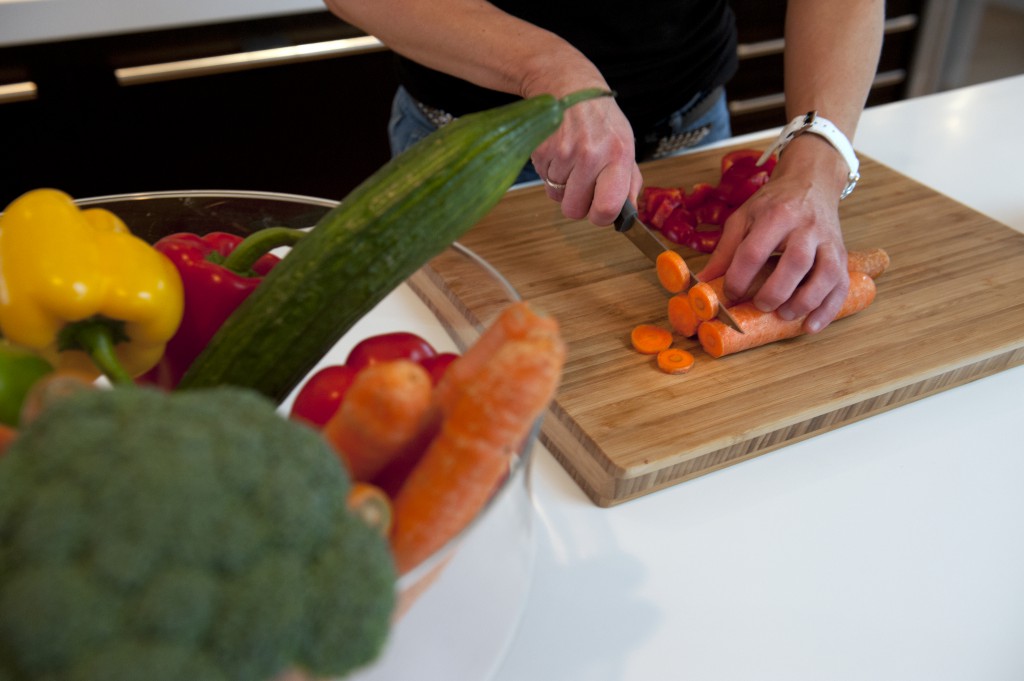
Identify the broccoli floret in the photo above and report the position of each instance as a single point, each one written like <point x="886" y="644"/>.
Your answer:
<point x="194" y="535"/>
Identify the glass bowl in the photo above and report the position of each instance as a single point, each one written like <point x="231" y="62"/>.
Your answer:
<point x="471" y="591"/>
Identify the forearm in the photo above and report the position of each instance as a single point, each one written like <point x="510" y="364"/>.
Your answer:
<point x="475" y="41"/>
<point x="832" y="49"/>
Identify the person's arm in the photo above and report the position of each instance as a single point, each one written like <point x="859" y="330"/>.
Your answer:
<point x="832" y="50"/>
<point x="592" y="152"/>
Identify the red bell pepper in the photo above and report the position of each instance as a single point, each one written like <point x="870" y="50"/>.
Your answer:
<point x="218" y="271"/>
<point x="695" y="219"/>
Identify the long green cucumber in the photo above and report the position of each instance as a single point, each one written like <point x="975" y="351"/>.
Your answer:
<point x="403" y="215"/>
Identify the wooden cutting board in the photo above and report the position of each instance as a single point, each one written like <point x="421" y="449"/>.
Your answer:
<point x="949" y="310"/>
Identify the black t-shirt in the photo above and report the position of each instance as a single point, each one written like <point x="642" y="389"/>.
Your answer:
<point x="655" y="54"/>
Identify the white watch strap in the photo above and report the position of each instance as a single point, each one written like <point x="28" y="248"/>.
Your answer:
<point x="813" y="123"/>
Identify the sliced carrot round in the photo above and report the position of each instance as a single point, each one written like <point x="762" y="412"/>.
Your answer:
<point x="672" y="271"/>
<point x="681" y="315"/>
<point x="675" y="361"/>
<point x="704" y="300"/>
<point x="650" y="339"/>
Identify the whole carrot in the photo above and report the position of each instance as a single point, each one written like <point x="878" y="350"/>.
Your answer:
<point x="384" y="412"/>
<point x="488" y="418"/>
<point x="761" y="328"/>
<point x="516" y="321"/>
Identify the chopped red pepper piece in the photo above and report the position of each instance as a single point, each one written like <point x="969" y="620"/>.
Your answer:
<point x="695" y="219"/>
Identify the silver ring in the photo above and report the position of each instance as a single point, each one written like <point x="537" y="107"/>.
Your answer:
<point x="554" y="185"/>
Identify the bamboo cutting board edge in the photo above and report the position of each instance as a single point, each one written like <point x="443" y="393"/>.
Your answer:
<point x="569" y="444"/>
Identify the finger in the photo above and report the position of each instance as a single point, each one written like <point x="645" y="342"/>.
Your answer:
<point x="732" y="235"/>
<point x="825" y="279"/>
<point x="794" y="265"/>
<point x="821" y="317"/>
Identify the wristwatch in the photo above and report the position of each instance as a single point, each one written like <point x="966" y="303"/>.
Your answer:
<point x="813" y="123"/>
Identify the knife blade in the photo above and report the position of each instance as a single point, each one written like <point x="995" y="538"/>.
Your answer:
<point x="628" y="223"/>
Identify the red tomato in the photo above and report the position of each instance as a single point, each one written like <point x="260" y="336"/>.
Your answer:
<point x="322" y="393"/>
<point x="388" y="346"/>
<point x="437" y="364"/>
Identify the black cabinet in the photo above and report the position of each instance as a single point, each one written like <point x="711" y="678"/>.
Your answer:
<point x="139" y="113"/>
<point x="756" y="97"/>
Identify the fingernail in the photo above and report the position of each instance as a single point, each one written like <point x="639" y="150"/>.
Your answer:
<point x="786" y="314"/>
<point x="762" y="307"/>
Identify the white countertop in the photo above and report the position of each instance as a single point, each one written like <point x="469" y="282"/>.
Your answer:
<point x="891" y="549"/>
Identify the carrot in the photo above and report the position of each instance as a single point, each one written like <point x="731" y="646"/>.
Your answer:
<point x="52" y="388"/>
<point x="761" y="328"/>
<point x="487" y="420"/>
<point x="872" y="262"/>
<point x="707" y="296"/>
<point x="516" y="321"/>
<point x="675" y="361"/>
<point x="704" y="298"/>
<point x="383" y="412"/>
<point x="681" y="315"/>
<point x="650" y="339"/>
<point x="7" y="436"/>
<point x="672" y="271"/>
<point x="372" y="505"/>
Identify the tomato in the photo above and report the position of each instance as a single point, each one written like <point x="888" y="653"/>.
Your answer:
<point x="388" y="346"/>
<point x="322" y="393"/>
<point x="437" y="364"/>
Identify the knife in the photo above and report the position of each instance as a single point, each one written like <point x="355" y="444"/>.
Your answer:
<point x="628" y="223"/>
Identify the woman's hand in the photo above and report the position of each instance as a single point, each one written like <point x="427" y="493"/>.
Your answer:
<point x="795" y="214"/>
<point x="592" y="154"/>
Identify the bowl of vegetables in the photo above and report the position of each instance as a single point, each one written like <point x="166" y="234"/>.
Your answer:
<point x="470" y="580"/>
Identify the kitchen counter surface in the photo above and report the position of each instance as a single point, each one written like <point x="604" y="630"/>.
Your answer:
<point x="889" y="549"/>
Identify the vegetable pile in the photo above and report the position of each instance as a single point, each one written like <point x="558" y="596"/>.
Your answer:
<point x="171" y="525"/>
<point x="431" y="450"/>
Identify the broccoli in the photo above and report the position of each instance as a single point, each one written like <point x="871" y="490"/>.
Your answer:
<point x="194" y="535"/>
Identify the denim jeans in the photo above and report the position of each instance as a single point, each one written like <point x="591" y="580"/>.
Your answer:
<point x="408" y="125"/>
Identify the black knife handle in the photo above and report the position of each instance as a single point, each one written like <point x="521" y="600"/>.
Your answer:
<point x="627" y="216"/>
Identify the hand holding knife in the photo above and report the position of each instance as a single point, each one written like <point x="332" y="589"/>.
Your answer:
<point x="628" y="223"/>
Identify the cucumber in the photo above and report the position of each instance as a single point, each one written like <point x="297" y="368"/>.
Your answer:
<point x="400" y="217"/>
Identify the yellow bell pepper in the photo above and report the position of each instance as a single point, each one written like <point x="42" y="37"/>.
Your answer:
<point x="78" y="288"/>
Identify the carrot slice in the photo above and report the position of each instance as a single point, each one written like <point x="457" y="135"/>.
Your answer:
<point x="761" y="328"/>
<point x="675" y="361"/>
<point x="650" y="339"/>
<point x="672" y="271"/>
<point x="372" y="505"/>
<point x="488" y="419"/>
<point x="704" y="298"/>
<point x="383" y="413"/>
<point x="681" y="315"/>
